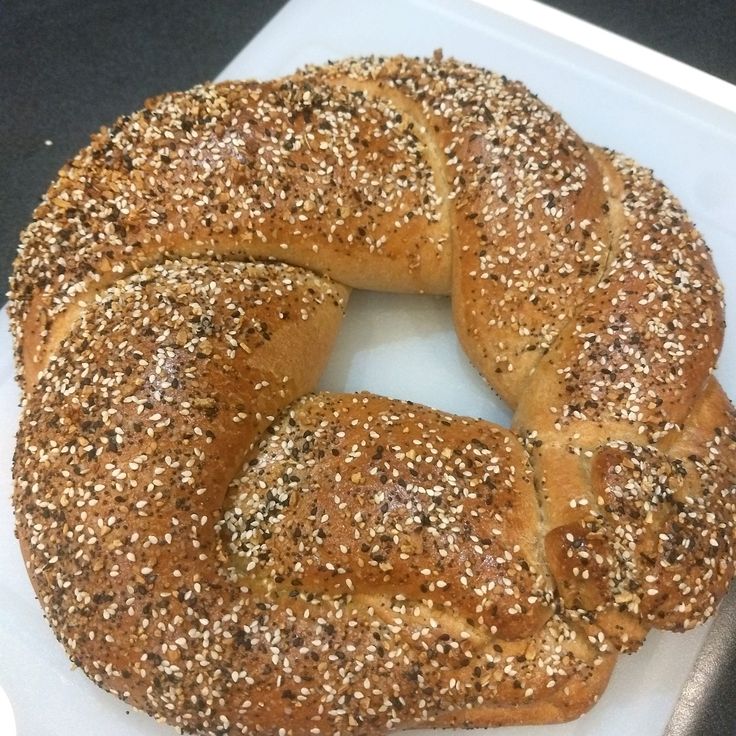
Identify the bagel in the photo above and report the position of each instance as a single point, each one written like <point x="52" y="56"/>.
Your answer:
<point x="231" y="553"/>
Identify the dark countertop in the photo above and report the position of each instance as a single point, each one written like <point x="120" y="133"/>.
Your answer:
<point x="70" y="66"/>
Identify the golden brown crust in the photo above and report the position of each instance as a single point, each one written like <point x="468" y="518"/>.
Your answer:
<point x="528" y="212"/>
<point x="257" y="615"/>
<point x="300" y="173"/>
<point x="376" y="496"/>
<point x="121" y="471"/>
<point x="632" y="533"/>
<point x="366" y="563"/>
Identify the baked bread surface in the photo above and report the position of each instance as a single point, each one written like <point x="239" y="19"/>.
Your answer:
<point x="231" y="553"/>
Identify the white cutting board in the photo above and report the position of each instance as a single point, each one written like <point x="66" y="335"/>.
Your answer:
<point x="405" y="346"/>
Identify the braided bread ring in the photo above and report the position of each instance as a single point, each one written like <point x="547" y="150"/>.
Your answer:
<point x="231" y="561"/>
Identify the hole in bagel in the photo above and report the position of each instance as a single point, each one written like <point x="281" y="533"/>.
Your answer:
<point x="404" y="346"/>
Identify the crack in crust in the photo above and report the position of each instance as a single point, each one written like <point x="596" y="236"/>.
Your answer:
<point x="348" y="564"/>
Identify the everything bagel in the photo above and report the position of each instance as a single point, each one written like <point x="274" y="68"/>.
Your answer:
<point x="231" y="553"/>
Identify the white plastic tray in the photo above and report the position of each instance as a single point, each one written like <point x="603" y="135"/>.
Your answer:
<point x="676" y="120"/>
